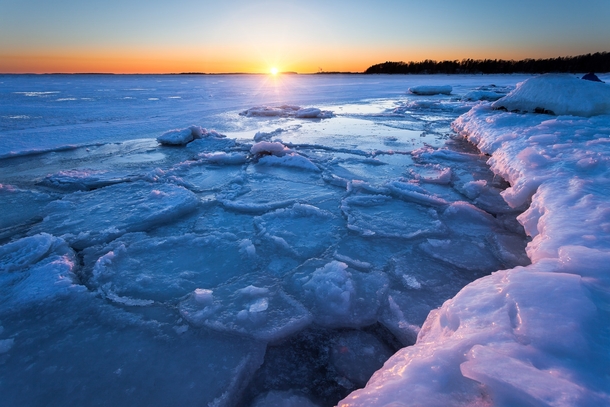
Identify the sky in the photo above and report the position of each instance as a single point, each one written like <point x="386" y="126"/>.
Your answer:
<point x="154" y="36"/>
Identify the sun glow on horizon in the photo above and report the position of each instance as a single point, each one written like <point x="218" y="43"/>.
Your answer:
<point x="273" y="71"/>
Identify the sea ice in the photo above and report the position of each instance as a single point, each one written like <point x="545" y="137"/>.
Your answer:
<point x="381" y="215"/>
<point x="287" y="111"/>
<point x="36" y="269"/>
<point x="336" y="295"/>
<point x="99" y="216"/>
<point x="262" y="311"/>
<point x="140" y="270"/>
<point x="431" y="90"/>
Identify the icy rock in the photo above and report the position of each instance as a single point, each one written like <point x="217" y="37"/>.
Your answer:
<point x="180" y="136"/>
<point x="380" y="215"/>
<point x="431" y="90"/>
<point x="357" y="355"/>
<point x="559" y="94"/>
<point x="337" y="295"/>
<point x="36" y="269"/>
<point x="262" y="311"/>
<point x="99" y="216"/>
<point x="302" y="230"/>
<point x="138" y="270"/>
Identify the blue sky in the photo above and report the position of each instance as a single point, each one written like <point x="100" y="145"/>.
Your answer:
<point x="237" y="35"/>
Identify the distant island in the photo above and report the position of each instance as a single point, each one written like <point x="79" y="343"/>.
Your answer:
<point x="597" y="62"/>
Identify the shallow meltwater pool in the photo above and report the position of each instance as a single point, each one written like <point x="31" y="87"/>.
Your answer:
<point x="285" y="259"/>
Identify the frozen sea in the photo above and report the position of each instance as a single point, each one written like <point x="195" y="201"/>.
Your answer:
<point x="254" y="240"/>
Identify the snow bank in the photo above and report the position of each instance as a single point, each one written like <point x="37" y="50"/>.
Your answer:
<point x="559" y="94"/>
<point x="533" y="335"/>
<point x="287" y="111"/>
<point x="431" y="90"/>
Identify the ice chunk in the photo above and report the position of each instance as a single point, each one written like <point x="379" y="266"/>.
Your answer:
<point x="144" y="270"/>
<point x="225" y="158"/>
<point x="337" y="295"/>
<point x="87" y="218"/>
<point x="465" y="253"/>
<point x="177" y="137"/>
<point x="431" y="90"/>
<point x="262" y="311"/>
<point x="559" y="94"/>
<point x="304" y="231"/>
<point x="263" y="148"/>
<point x="20" y="207"/>
<point x="36" y="269"/>
<point x="85" y="179"/>
<point x="380" y="215"/>
<point x="287" y="111"/>
<point x="476" y="95"/>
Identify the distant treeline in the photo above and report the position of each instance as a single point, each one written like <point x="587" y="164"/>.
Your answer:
<point x="598" y="62"/>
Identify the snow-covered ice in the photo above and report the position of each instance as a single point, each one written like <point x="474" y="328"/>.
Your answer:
<point x="531" y="335"/>
<point x="280" y="260"/>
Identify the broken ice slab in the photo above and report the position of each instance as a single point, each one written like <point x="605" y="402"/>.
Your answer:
<point x="87" y="218"/>
<point x="337" y="295"/>
<point x="138" y="270"/>
<point x="252" y="306"/>
<point x="381" y="215"/>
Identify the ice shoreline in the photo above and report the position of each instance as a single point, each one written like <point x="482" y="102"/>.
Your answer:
<point x="531" y="335"/>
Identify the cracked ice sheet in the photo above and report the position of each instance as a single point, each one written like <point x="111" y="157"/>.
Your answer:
<point x="137" y="270"/>
<point x="134" y="362"/>
<point x="38" y="284"/>
<point x="87" y="218"/>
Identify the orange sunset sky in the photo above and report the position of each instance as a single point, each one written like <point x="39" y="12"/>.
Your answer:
<point x="136" y="36"/>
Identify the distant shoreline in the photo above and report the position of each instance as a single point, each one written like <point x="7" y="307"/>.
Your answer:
<point x="598" y="62"/>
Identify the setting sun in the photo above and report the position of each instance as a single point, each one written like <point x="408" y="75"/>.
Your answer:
<point x="273" y="71"/>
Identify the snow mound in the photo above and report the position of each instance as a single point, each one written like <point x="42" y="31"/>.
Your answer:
<point x="558" y="94"/>
<point x="431" y="90"/>
<point x="287" y="111"/>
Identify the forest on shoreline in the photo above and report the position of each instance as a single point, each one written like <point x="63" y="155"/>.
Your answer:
<point x="597" y="62"/>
